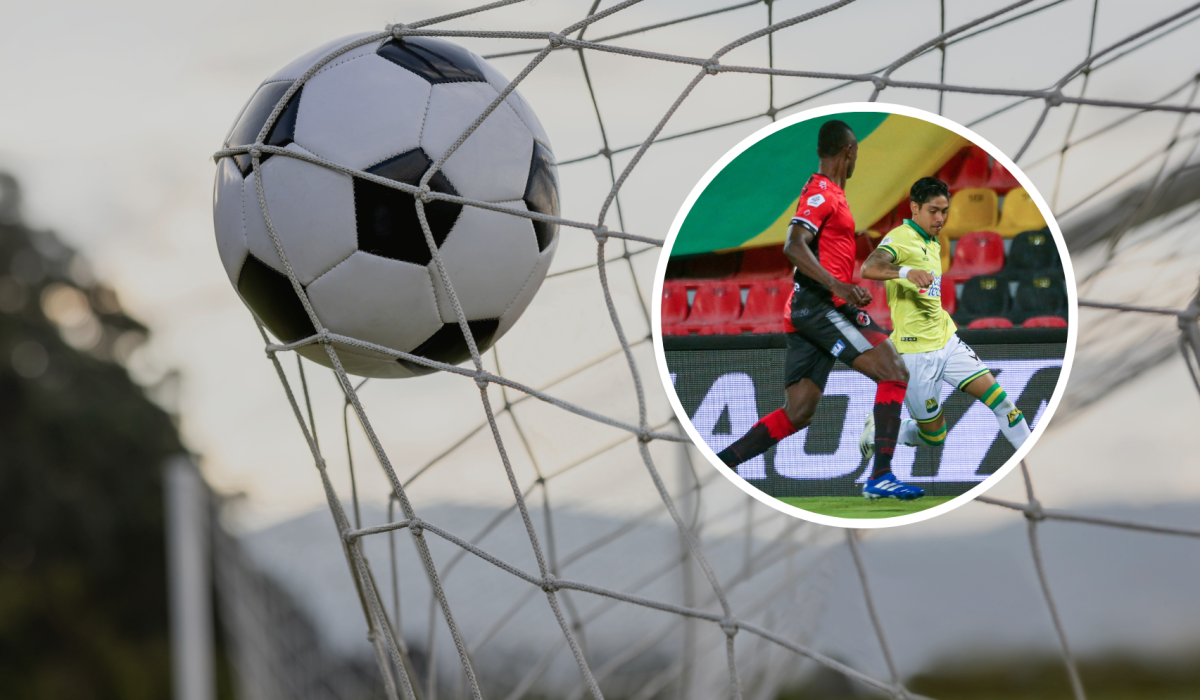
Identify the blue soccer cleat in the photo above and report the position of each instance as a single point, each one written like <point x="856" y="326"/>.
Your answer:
<point x="888" y="486"/>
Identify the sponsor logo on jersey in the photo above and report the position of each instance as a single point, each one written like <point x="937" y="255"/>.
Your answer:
<point x="908" y="339"/>
<point x="935" y="289"/>
<point x="807" y="212"/>
<point x="837" y="348"/>
<point x="931" y="405"/>
<point x="1015" y="416"/>
<point x="816" y="200"/>
<point x="821" y="184"/>
<point x="863" y="319"/>
<point x="886" y="240"/>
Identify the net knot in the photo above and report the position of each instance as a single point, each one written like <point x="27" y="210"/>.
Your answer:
<point x="606" y="152"/>
<point x="423" y="194"/>
<point x="323" y="336"/>
<point x="481" y="381"/>
<point x="730" y="626"/>
<point x="879" y="82"/>
<point x="549" y="584"/>
<point x="556" y="40"/>
<point x="772" y="112"/>
<point x="255" y="151"/>
<point x="398" y="30"/>
<point x="1034" y="512"/>
<point x="1055" y="98"/>
<point x="644" y="435"/>
<point x="711" y="66"/>
<point x="416" y="526"/>
<point x="601" y="232"/>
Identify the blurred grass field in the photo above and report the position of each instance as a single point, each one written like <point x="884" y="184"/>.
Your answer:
<point x="859" y="507"/>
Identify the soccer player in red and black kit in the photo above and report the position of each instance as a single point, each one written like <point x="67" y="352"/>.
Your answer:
<point x="826" y="321"/>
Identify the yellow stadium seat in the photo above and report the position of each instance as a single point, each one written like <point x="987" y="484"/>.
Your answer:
<point x="975" y="209"/>
<point x="1020" y="213"/>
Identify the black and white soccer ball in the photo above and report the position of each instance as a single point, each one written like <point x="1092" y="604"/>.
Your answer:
<point x="392" y="108"/>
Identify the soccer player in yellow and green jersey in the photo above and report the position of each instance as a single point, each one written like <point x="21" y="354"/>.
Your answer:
<point x="909" y="258"/>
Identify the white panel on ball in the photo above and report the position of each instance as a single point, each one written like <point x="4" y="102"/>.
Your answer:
<point x="229" y="218"/>
<point x="312" y="209"/>
<point x="532" y="284"/>
<point x="492" y="165"/>
<point x="480" y="242"/>
<point x="298" y="67"/>
<point x="516" y="101"/>
<point x="258" y="239"/>
<point x="377" y="300"/>
<point x="361" y="112"/>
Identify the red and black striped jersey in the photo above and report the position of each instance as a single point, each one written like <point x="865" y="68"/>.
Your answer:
<point x="824" y="211"/>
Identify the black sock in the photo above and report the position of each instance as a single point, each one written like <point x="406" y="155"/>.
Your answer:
<point x="761" y="436"/>
<point x="888" y="396"/>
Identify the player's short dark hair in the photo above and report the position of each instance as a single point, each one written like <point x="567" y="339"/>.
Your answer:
<point x="833" y="137"/>
<point x="926" y="189"/>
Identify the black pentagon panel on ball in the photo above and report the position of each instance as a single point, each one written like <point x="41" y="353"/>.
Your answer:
<point x="433" y="59"/>
<point x="448" y="344"/>
<point x="271" y="295"/>
<point x="255" y="115"/>
<point x="386" y="218"/>
<point x="541" y="193"/>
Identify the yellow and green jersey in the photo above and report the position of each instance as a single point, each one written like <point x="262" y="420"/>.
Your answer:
<point x="919" y="322"/>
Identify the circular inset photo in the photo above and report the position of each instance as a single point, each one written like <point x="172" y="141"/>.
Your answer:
<point x="865" y="315"/>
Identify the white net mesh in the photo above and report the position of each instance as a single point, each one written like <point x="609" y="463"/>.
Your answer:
<point x="703" y="606"/>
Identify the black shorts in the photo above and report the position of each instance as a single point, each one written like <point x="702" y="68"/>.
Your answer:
<point x="824" y="333"/>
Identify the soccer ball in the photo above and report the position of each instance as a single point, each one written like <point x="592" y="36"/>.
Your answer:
<point x="391" y="108"/>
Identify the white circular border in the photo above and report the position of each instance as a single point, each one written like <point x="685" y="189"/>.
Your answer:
<point x="1072" y="315"/>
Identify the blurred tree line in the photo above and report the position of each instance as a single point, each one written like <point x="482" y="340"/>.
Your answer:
<point x="83" y="595"/>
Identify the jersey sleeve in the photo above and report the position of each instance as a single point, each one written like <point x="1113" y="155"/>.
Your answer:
<point x="812" y="211"/>
<point x="900" y="244"/>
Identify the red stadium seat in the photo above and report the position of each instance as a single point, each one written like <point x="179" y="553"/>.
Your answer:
<point x="990" y="322"/>
<point x="864" y="243"/>
<point x="949" y="170"/>
<point x="767" y="301"/>
<point x="715" y="303"/>
<point x="674" y="329"/>
<point x="766" y="328"/>
<point x="674" y="303"/>
<point x="764" y="263"/>
<point x="979" y="253"/>
<point x="949" y="296"/>
<point x="1001" y="180"/>
<point x="1045" y="322"/>
<point x="974" y="171"/>
<point x="878" y="308"/>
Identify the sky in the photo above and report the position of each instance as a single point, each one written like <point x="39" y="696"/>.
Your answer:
<point x="111" y="112"/>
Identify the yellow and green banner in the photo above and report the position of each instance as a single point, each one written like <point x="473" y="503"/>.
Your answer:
<point x="751" y="201"/>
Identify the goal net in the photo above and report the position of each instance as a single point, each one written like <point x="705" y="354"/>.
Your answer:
<point x="687" y="588"/>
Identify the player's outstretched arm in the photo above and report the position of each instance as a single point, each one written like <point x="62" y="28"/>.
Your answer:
<point x="880" y="265"/>
<point x="799" y="254"/>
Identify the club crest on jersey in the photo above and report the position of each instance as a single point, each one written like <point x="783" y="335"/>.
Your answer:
<point x="816" y="200"/>
<point x="862" y="319"/>
<point x="1015" y="416"/>
<point x="821" y="184"/>
<point x="931" y="405"/>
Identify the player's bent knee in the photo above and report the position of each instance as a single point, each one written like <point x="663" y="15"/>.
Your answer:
<point x="800" y="417"/>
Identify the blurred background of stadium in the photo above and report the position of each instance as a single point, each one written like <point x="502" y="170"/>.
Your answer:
<point x="109" y="137"/>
